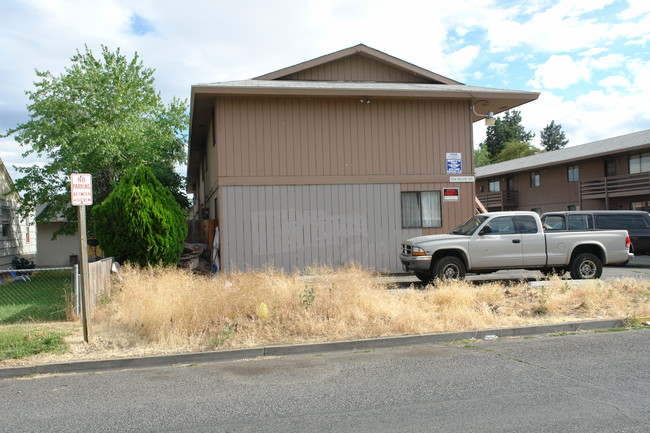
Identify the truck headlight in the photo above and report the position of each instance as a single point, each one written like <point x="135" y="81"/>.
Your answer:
<point x="418" y="252"/>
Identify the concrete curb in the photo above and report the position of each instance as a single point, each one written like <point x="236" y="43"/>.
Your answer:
<point x="284" y="350"/>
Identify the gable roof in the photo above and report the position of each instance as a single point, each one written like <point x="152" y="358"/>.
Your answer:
<point x="365" y="51"/>
<point x="624" y="143"/>
<point x="7" y="189"/>
<point x="431" y="86"/>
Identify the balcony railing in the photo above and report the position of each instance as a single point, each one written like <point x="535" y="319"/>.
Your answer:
<point x="624" y="185"/>
<point x="500" y="200"/>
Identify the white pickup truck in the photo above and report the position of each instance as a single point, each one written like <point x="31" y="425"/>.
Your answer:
<point x="495" y="241"/>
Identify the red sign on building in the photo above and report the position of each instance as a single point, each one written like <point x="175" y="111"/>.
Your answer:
<point x="450" y="194"/>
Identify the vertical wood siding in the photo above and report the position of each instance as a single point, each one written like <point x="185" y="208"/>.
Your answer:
<point x="294" y="226"/>
<point x="356" y="68"/>
<point x="266" y="137"/>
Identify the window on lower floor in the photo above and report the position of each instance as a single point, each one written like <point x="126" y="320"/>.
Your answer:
<point x="641" y="205"/>
<point x="535" y="178"/>
<point x="421" y="209"/>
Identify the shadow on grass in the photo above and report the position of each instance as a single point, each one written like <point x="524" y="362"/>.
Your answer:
<point x="44" y="297"/>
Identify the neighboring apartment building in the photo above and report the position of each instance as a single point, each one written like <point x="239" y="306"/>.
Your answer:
<point x="335" y="160"/>
<point x="608" y="174"/>
<point x="17" y="235"/>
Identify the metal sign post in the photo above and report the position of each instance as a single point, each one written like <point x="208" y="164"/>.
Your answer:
<point x="81" y="191"/>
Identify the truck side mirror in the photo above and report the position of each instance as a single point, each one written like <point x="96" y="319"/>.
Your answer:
<point x="485" y="230"/>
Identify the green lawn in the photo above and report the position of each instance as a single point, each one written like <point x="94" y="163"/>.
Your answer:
<point x="46" y="297"/>
<point x="15" y="345"/>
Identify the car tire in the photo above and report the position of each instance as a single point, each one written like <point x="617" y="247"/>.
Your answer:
<point x="586" y="266"/>
<point x="425" y="278"/>
<point x="449" y="268"/>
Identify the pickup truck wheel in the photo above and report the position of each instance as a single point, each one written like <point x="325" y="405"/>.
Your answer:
<point x="449" y="268"/>
<point x="425" y="278"/>
<point x="586" y="266"/>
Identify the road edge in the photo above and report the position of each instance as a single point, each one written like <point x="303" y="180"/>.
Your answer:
<point x="296" y="349"/>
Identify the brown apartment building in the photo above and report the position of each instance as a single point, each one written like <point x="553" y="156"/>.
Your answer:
<point x="335" y="160"/>
<point x="603" y="175"/>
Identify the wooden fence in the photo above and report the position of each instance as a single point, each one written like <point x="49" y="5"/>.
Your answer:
<point x="99" y="281"/>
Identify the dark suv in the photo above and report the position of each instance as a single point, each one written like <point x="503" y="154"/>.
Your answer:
<point x="636" y="222"/>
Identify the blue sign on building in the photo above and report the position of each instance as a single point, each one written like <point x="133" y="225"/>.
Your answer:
<point x="454" y="163"/>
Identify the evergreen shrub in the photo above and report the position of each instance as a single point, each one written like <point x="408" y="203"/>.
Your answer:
<point x="140" y="221"/>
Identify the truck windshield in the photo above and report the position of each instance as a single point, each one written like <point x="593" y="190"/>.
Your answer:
<point x="469" y="226"/>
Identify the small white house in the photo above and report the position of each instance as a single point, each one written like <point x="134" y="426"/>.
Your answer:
<point x="59" y="252"/>
<point x="17" y="235"/>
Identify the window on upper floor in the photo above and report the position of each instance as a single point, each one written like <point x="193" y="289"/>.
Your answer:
<point x="639" y="163"/>
<point x="573" y="173"/>
<point x="535" y="178"/>
<point x="494" y="185"/>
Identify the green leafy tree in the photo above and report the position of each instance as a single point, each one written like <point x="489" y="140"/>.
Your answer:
<point x="101" y="116"/>
<point x="481" y="156"/>
<point x="504" y="131"/>
<point x="140" y="221"/>
<point x="516" y="149"/>
<point x="170" y="179"/>
<point x="552" y="137"/>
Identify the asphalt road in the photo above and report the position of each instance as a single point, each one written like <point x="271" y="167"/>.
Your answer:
<point x="573" y="383"/>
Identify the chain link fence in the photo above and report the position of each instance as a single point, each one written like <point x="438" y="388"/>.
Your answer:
<point x="37" y="295"/>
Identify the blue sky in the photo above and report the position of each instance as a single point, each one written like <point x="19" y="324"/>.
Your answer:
<point x="590" y="59"/>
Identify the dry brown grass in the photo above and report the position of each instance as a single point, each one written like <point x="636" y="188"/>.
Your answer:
<point x="160" y="310"/>
<point x="172" y="307"/>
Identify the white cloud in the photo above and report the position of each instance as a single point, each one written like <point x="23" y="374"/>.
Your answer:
<point x="498" y="68"/>
<point x="559" y="72"/>
<point x="614" y="82"/>
<point x="640" y="71"/>
<point x="591" y="52"/>
<point x="635" y="9"/>
<point x="608" y="61"/>
<point x="458" y="62"/>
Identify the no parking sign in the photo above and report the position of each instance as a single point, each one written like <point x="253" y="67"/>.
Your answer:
<point x="81" y="189"/>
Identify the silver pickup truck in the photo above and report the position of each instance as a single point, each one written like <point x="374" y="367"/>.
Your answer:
<point x="495" y="241"/>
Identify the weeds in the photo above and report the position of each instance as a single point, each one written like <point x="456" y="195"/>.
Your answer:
<point x="173" y="308"/>
<point x="542" y="308"/>
<point x="307" y="296"/>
